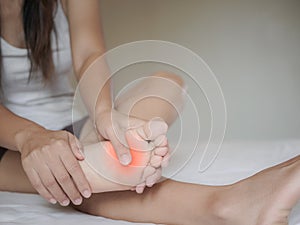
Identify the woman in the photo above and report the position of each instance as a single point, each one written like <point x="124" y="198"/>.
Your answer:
<point x="50" y="161"/>
<point x="37" y="93"/>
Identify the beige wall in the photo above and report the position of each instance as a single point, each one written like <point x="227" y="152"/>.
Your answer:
<point x="253" y="47"/>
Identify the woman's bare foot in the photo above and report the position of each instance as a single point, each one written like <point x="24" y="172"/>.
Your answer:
<point x="149" y="146"/>
<point x="266" y="198"/>
<point x="149" y="149"/>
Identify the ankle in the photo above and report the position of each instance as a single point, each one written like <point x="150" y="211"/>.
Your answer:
<point x="222" y="206"/>
<point x="211" y="207"/>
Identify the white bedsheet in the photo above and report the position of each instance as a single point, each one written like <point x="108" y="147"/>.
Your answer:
<point x="237" y="160"/>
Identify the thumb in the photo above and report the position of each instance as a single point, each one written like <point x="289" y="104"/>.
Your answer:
<point x="122" y="152"/>
<point x="76" y="147"/>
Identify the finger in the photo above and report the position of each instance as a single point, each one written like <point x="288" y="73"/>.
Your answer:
<point x="39" y="187"/>
<point x="52" y="186"/>
<point x="78" y="182"/>
<point x="76" y="147"/>
<point x="65" y="181"/>
<point x="122" y="152"/>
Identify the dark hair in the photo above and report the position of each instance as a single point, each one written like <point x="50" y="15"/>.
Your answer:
<point x="38" y="23"/>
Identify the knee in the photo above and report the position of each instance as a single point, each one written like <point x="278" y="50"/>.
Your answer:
<point x="170" y="76"/>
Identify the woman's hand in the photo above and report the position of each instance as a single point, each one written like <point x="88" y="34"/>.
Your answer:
<point x="50" y="160"/>
<point x="112" y="126"/>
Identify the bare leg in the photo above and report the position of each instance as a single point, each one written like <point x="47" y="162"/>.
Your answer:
<point x="265" y="199"/>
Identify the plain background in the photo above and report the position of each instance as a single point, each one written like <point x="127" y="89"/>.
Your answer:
<point x="253" y="48"/>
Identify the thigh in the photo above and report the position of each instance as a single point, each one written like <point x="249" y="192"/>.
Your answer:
<point x="12" y="175"/>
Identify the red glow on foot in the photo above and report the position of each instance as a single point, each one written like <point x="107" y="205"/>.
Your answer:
<point x="139" y="158"/>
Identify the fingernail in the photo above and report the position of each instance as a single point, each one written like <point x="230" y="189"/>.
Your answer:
<point x="80" y="147"/>
<point x="65" y="202"/>
<point x="78" y="201"/>
<point x="125" y="159"/>
<point x="86" y="193"/>
<point x="81" y="152"/>
<point x="53" y="201"/>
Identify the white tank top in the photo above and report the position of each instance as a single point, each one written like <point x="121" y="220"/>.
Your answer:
<point x="49" y="105"/>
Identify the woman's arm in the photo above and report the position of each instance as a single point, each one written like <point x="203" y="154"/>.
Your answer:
<point x="11" y="125"/>
<point x="93" y="73"/>
<point x="87" y="45"/>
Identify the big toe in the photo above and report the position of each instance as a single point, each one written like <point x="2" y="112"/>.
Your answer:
<point x="155" y="128"/>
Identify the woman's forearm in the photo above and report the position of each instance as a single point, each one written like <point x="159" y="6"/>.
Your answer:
<point x="87" y="44"/>
<point x="11" y="126"/>
<point x="95" y="85"/>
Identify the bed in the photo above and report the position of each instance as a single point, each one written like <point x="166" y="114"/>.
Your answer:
<point x="236" y="160"/>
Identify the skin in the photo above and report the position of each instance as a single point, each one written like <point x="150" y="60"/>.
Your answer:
<point x="168" y="202"/>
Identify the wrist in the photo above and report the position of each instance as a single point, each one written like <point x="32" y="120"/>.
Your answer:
<point x="22" y="135"/>
<point x="103" y="120"/>
<point x="103" y="106"/>
<point x="102" y="114"/>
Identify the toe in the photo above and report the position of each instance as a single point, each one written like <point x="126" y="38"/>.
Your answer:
<point x="161" y="141"/>
<point x="151" y="180"/>
<point x="166" y="160"/>
<point x="161" y="151"/>
<point x="149" y="170"/>
<point x="140" y="188"/>
<point x="156" y="161"/>
<point x="133" y="189"/>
